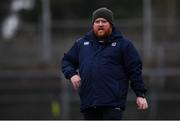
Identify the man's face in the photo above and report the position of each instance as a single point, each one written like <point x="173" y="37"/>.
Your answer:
<point x="102" y="27"/>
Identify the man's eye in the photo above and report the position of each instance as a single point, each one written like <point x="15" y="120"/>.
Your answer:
<point x="104" y="21"/>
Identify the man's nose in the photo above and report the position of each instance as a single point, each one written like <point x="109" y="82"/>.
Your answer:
<point x="100" y="23"/>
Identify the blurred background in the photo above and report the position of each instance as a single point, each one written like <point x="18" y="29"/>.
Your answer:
<point x="34" y="34"/>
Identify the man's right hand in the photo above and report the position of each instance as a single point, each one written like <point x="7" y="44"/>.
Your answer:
<point x="76" y="81"/>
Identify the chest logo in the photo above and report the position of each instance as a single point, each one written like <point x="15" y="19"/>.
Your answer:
<point x="86" y="43"/>
<point x="113" y="44"/>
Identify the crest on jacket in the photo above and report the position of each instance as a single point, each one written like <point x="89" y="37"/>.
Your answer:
<point x="86" y="43"/>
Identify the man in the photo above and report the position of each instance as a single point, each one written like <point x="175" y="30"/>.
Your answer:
<point x="100" y="65"/>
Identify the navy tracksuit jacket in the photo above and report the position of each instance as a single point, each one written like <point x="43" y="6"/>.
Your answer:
<point x="105" y="70"/>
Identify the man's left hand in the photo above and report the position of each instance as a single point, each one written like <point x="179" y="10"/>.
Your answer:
<point x="141" y="103"/>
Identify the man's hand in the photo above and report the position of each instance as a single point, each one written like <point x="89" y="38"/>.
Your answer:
<point x="76" y="81"/>
<point x="141" y="103"/>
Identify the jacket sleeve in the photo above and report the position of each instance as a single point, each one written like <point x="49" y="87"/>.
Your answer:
<point x="70" y="62"/>
<point x="133" y="68"/>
